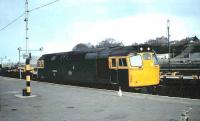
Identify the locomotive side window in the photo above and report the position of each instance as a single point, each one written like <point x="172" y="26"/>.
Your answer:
<point x="136" y="60"/>
<point x="40" y="64"/>
<point x="114" y="62"/>
<point x="53" y="58"/>
<point x="122" y="62"/>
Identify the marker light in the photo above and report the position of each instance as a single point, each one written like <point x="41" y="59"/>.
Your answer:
<point x="148" y="48"/>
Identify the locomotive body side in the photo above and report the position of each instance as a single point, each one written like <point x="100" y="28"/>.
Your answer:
<point x="124" y="67"/>
<point x="64" y="68"/>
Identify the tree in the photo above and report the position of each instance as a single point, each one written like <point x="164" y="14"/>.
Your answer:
<point x="135" y="43"/>
<point x="109" y="42"/>
<point x="195" y="38"/>
<point x="82" y="47"/>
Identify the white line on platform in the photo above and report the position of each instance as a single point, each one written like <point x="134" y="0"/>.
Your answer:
<point x="21" y="96"/>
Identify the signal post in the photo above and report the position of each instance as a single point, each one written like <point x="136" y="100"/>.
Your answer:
<point x="27" y="91"/>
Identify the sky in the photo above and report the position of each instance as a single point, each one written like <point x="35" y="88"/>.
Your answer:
<point x="60" y="26"/>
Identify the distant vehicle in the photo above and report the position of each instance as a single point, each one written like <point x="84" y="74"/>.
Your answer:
<point x="130" y="66"/>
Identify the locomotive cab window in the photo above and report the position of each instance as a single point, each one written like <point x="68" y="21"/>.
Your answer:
<point x="147" y="56"/>
<point x="122" y="62"/>
<point x="114" y="64"/>
<point x="136" y="61"/>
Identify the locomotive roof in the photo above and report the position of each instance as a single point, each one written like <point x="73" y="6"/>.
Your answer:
<point x="93" y="53"/>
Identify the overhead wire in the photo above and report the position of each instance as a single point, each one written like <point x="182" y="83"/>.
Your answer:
<point x="44" y="5"/>
<point x="31" y="10"/>
<point x="13" y="21"/>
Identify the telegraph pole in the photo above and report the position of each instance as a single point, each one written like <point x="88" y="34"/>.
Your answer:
<point x="27" y="90"/>
<point x="26" y="27"/>
<point x="168" y="37"/>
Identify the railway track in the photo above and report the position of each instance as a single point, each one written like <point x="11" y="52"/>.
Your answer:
<point x="173" y="85"/>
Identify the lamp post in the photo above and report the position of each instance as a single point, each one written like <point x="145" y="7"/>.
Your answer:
<point x="19" y="49"/>
<point x="20" y="74"/>
<point x="173" y="52"/>
<point x="168" y="37"/>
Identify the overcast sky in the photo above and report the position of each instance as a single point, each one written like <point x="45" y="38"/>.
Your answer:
<point x="62" y="25"/>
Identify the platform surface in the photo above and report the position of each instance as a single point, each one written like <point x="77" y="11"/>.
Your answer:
<point x="55" y="102"/>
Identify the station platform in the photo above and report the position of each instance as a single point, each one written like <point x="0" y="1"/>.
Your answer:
<point x="54" y="102"/>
